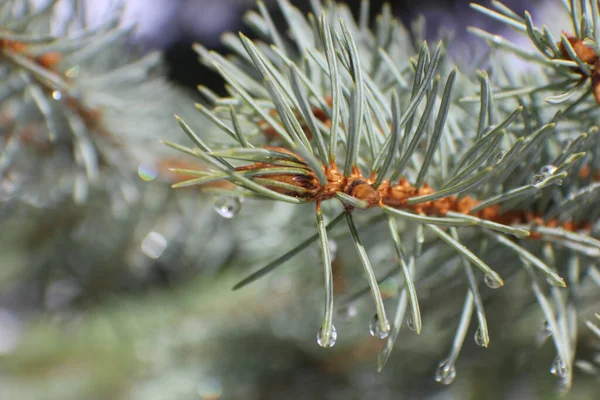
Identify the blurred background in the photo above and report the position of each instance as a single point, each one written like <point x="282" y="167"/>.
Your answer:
<point x="174" y="25"/>
<point x="114" y="286"/>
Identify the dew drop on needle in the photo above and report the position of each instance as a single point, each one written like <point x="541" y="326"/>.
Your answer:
<point x="491" y="282"/>
<point x="376" y="330"/>
<point x="228" y="206"/>
<point x="410" y="322"/>
<point x="480" y="338"/>
<point x="547" y="328"/>
<point x="326" y="339"/>
<point x="445" y="372"/>
<point x="559" y="368"/>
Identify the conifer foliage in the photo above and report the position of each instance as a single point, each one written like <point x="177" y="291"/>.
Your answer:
<point x="498" y="165"/>
<point x="81" y="113"/>
<point x="459" y="203"/>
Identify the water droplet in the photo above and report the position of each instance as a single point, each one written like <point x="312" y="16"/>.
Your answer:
<point x="56" y="95"/>
<point x="548" y="169"/>
<point x="545" y="332"/>
<point x="333" y="246"/>
<point x="147" y="171"/>
<point x="559" y="368"/>
<point x="375" y="328"/>
<point x="73" y="72"/>
<point x="445" y="372"/>
<point x="480" y="339"/>
<point x="491" y="281"/>
<point x="348" y="312"/>
<point x="410" y="322"/>
<point x="325" y="340"/>
<point x="546" y="172"/>
<point x="538" y="179"/>
<point x="154" y="244"/>
<point x="210" y="389"/>
<point x="547" y="328"/>
<point x="228" y="206"/>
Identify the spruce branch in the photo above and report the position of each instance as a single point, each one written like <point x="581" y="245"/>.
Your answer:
<point x="326" y="117"/>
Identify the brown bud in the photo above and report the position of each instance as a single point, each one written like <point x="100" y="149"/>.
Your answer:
<point x="583" y="51"/>
<point x="596" y="83"/>
<point x="361" y="190"/>
<point x="49" y="60"/>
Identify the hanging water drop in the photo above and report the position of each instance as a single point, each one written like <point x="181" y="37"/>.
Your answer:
<point x="228" y="206"/>
<point x="491" y="281"/>
<point x="410" y="322"/>
<point x="445" y="372"/>
<point x="56" y="95"/>
<point x="326" y="340"/>
<point x="375" y="328"/>
<point x="480" y="338"/>
<point x="559" y="368"/>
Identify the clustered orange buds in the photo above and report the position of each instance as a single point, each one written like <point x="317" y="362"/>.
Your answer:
<point x="48" y="60"/>
<point x="11" y="45"/>
<point x="397" y="196"/>
<point x="309" y="182"/>
<point x="319" y="114"/>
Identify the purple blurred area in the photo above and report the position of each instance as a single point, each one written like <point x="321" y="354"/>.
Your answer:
<point x="164" y="22"/>
<point x="173" y="25"/>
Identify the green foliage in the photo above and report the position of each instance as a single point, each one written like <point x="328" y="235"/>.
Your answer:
<point x="81" y="113"/>
<point x="497" y="142"/>
<point x="119" y="288"/>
